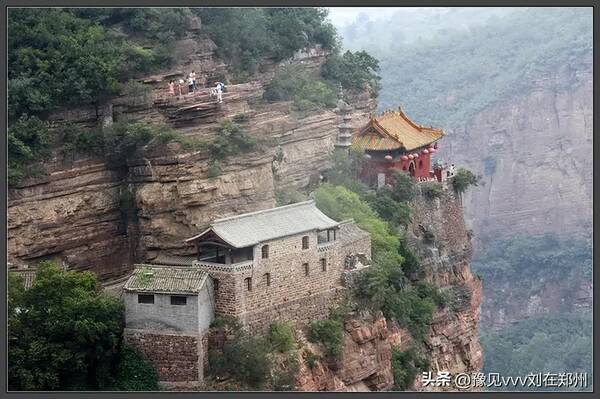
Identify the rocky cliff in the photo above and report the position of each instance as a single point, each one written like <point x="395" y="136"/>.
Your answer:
<point x="75" y="214"/>
<point x="452" y="343"/>
<point x="535" y="153"/>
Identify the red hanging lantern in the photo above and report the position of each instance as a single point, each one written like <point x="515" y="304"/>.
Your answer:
<point x="411" y="156"/>
<point x="388" y="157"/>
<point x="404" y="158"/>
<point x="416" y="156"/>
<point x="425" y="151"/>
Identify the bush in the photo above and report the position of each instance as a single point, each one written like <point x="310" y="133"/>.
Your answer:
<point x="244" y="358"/>
<point x="281" y="336"/>
<point x="405" y="366"/>
<point x="432" y="190"/>
<point x="284" y="375"/>
<point x="28" y="145"/>
<point x="330" y="333"/>
<point x="137" y="93"/>
<point x="134" y="372"/>
<point x="463" y="179"/>
<point x="403" y="187"/>
<point x="394" y="212"/>
<point x="311" y="359"/>
<point x="306" y="90"/>
<point x="286" y="196"/>
<point x="456" y="298"/>
<point x="226" y="322"/>
<point x="429" y="290"/>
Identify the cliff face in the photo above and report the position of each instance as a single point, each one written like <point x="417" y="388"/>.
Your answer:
<point x="452" y="343"/>
<point x="535" y="152"/>
<point x="74" y="214"/>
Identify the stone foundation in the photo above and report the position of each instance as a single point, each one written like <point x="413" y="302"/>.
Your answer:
<point x="179" y="359"/>
<point x="299" y="312"/>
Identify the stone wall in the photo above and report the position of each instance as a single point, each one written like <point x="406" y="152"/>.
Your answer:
<point x="178" y="358"/>
<point x="161" y="314"/>
<point x="291" y="295"/>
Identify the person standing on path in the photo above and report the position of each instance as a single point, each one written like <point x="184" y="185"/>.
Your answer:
<point x="180" y="87"/>
<point x="219" y="92"/>
<point x="193" y="76"/>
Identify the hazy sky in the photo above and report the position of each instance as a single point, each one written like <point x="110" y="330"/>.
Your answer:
<point x="343" y="15"/>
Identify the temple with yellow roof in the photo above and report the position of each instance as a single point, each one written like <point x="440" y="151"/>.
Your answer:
<point x="391" y="141"/>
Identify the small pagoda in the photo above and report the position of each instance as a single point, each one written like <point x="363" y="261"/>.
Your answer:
<point x="391" y="141"/>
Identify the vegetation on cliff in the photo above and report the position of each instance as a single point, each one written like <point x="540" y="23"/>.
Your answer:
<point x="249" y="362"/>
<point x="69" y="56"/>
<point x="65" y="334"/>
<point x="245" y="36"/>
<point x="389" y="285"/>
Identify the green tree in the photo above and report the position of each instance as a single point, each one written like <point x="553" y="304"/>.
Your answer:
<point x="353" y="70"/>
<point x="63" y="332"/>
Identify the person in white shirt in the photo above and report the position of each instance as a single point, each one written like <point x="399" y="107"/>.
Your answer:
<point x="190" y="84"/>
<point x="219" y="89"/>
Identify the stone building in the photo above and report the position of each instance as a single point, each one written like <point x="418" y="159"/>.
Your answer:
<point x="290" y="263"/>
<point x="286" y="263"/>
<point x="168" y="310"/>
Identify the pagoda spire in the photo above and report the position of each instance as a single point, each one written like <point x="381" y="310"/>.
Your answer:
<point x="344" y="137"/>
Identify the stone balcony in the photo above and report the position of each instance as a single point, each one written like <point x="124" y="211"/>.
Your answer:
<point x="224" y="267"/>
<point x="325" y="246"/>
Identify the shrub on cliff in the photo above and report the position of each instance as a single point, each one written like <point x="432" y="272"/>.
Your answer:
<point x="245" y="358"/>
<point x="281" y="336"/>
<point x="432" y="190"/>
<point x="463" y="179"/>
<point x="134" y="372"/>
<point x="405" y="366"/>
<point x="28" y="142"/>
<point x="329" y="333"/>
<point x="395" y="212"/>
<point x="307" y="90"/>
<point x="340" y="203"/>
<point x="403" y="187"/>
<point x="63" y="332"/>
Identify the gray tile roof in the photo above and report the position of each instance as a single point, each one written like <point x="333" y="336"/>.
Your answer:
<point x="166" y="279"/>
<point x="252" y="228"/>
